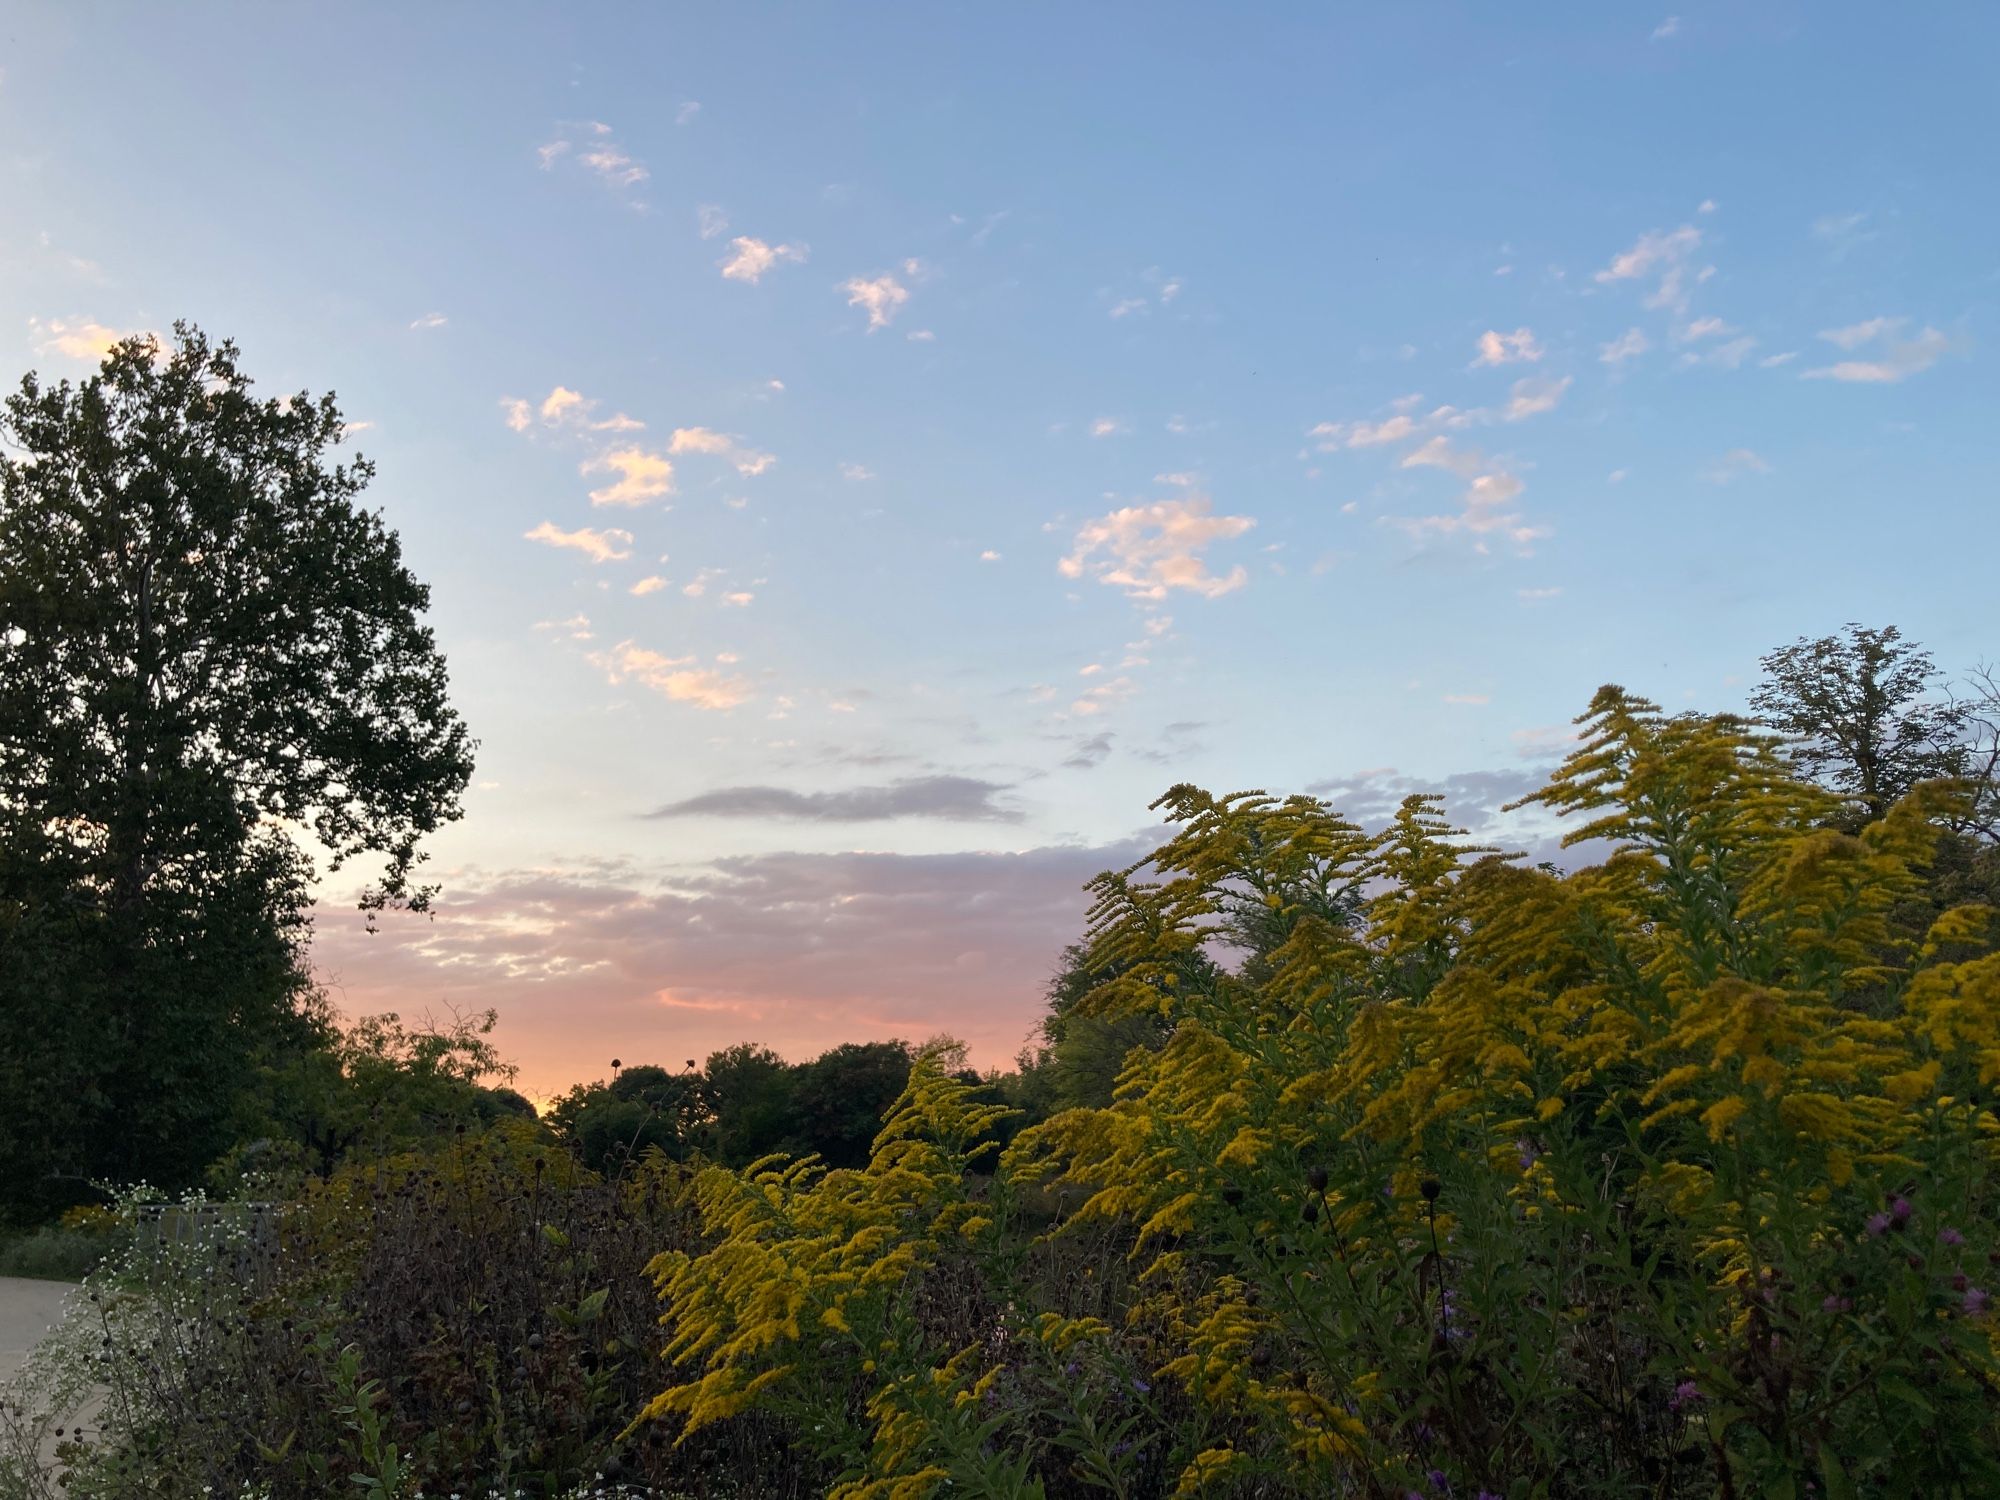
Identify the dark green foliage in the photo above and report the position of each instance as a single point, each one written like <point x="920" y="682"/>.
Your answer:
<point x="748" y="1091"/>
<point x="201" y="634"/>
<point x="840" y="1098"/>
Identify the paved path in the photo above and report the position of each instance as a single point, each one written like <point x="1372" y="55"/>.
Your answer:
<point x="28" y="1310"/>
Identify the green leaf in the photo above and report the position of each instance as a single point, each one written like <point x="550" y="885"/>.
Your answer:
<point x="1834" y="1477"/>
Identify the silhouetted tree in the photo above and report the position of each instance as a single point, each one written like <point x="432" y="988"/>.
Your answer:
<point x="1862" y="715"/>
<point x="203" y="640"/>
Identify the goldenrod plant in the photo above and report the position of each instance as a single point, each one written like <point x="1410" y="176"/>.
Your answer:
<point x="1671" y="1175"/>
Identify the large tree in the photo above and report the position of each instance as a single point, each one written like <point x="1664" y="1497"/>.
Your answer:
<point x="206" y="643"/>
<point x="1863" y="715"/>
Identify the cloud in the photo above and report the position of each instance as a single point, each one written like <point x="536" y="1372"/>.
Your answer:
<point x="881" y="295"/>
<point x="1661" y="252"/>
<point x="1533" y="397"/>
<point x="1108" y="427"/>
<point x="1734" y="464"/>
<point x="1534" y="595"/>
<point x="562" y="403"/>
<point x="958" y="799"/>
<point x="1899" y="358"/>
<point x="646" y="586"/>
<point x="1670" y="27"/>
<point x="598" y="546"/>
<point x="76" y="338"/>
<point x="722" y="444"/>
<point x="1475" y="700"/>
<point x="711" y="220"/>
<point x="1772" y="361"/>
<point x="1489" y="488"/>
<point x="752" y="258"/>
<point x="856" y="472"/>
<point x="1151" y="550"/>
<point x="519" y="413"/>
<point x="989" y="555"/>
<point x="1518" y="347"/>
<point x="1728" y="356"/>
<point x="642" y="476"/>
<point x="1125" y="307"/>
<point x="1089" y="753"/>
<point x="686" y="113"/>
<point x="1628" y="345"/>
<point x="673" y="677"/>
<point x="1096" y="699"/>
<point x="1402" y="427"/>
<point x="430" y="320"/>
<point x="591" y="145"/>
<point x="921" y="336"/>
<point x="739" y="600"/>
<point x="592" y="960"/>
<point x="575" y="628"/>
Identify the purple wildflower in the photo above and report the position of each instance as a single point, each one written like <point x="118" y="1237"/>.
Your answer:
<point x="1685" y="1394"/>
<point x="1950" y="1237"/>
<point x="1439" y="1482"/>
<point x="1878" y="1225"/>
<point x="1141" y="1387"/>
<point x="1975" y="1300"/>
<point x="1837" y="1305"/>
<point x="1528" y="1152"/>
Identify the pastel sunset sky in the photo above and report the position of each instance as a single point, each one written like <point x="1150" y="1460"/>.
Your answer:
<point x="863" y="454"/>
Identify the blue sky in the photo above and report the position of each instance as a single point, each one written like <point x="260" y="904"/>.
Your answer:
<point x="989" y="416"/>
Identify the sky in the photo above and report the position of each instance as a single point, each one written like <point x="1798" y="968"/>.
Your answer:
<point x="862" y="455"/>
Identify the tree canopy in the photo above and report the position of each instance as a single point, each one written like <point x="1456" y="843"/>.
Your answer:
<point x="205" y="642"/>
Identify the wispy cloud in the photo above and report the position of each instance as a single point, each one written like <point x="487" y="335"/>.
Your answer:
<point x="686" y="113"/>
<point x="1628" y="345"/>
<point x="1897" y="358"/>
<point x="1108" y="427"/>
<point x="748" y="461"/>
<point x="673" y="677"/>
<point x="1658" y="252"/>
<point x="1531" y="398"/>
<point x="598" y="546"/>
<point x="1671" y="27"/>
<point x="855" y="473"/>
<point x="592" y="145"/>
<point x="74" y="338"/>
<point x="1518" y="347"/>
<point x="1151" y="550"/>
<point x="642" y="476"/>
<point x="1103" y="695"/>
<point x="1490" y="488"/>
<point x="1734" y="465"/>
<point x="430" y="320"/>
<point x="957" y="799"/>
<point x="882" y="296"/>
<point x="751" y="258"/>
<point x="711" y="220"/>
<point x="646" y="586"/>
